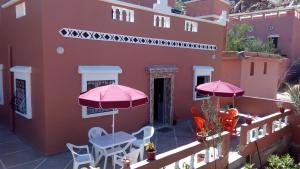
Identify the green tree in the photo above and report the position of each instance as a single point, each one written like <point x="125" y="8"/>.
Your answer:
<point x="179" y="5"/>
<point x="294" y="93"/>
<point x="238" y="40"/>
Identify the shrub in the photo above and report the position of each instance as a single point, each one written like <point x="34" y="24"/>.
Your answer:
<point x="281" y="162"/>
<point x="238" y="40"/>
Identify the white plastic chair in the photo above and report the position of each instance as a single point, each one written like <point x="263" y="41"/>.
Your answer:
<point x="80" y="158"/>
<point x="148" y="132"/>
<point x="133" y="156"/>
<point x="93" y="133"/>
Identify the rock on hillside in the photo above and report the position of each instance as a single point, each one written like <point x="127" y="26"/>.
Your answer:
<point x="255" y="5"/>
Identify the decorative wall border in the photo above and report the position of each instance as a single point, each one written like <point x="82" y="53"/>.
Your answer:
<point x="101" y="36"/>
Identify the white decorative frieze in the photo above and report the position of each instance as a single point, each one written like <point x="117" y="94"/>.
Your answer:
<point x="101" y="36"/>
<point x="191" y="26"/>
<point x="161" y="21"/>
<point x="122" y="14"/>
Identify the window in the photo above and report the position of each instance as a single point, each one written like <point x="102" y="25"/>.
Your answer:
<point x="161" y="21"/>
<point x="95" y="76"/>
<point x="22" y="90"/>
<point x="251" y="68"/>
<point x="1" y="85"/>
<point x="274" y="39"/>
<point x="265" y="67"/>
<point x="202" y="74"/>
<point x="191" y="26"/>
<point x="20" y="10"/>
<point x="122" y="14"/>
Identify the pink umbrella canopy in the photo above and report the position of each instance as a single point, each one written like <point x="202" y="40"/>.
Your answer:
<point x="219" y="88"/>
<point x="112" y="97"/>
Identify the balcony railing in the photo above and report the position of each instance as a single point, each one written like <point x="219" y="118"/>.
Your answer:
<point x="264" y="131"/>
<point x="196" y="155"/>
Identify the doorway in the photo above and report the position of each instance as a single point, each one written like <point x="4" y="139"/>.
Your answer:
<point x="162" y="100"/>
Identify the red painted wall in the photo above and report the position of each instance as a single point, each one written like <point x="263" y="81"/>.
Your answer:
<point x="236" y="70"/>
<point x="64" y="122"/>
<point x="206" y="7"/>
<point x="24" y="35"/>
<point x="289" y="35"/>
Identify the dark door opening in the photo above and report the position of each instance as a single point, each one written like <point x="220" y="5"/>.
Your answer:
<point x="162" y="100"/>
<point x="274" y="40"/>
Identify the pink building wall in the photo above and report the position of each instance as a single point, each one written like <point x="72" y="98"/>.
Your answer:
<point x="236" y="69"/>
<point x="24" y="36"/>
<point x="206" y="7"/>
<point x="289" y="35"/>
<point x="56" y="82"/>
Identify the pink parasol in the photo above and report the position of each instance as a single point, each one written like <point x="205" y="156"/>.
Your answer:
<point x="112" y="97"/>
<point x="219" y="88"/>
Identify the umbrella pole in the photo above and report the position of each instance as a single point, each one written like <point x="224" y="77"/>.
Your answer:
<point x="113" y="132"/>
<point x="233" y="102"/>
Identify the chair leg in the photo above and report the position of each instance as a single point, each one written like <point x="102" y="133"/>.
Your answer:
<point x="142" y="154"/>
<point x="105" y="161"/>
<point x="75" y="165"/>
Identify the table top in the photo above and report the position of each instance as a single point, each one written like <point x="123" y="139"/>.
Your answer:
<point x="107" y="141"/>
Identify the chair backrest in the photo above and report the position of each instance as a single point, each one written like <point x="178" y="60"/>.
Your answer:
<point x="195" y="112"/>
<point x="148" y="133"/>
<point x="76" y="150"/>
<point x="96" y="131"/>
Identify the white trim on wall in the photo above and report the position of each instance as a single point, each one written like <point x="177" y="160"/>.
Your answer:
<point x="1" y="85"/>
<point x="201" y="71"/>
<point x="24" y="73"/>
<point x="93" y="73"/>
<point x="9" y="3"/>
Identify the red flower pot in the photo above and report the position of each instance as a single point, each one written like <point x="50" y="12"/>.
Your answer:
<point x="201" y="137"/>
<point x="248" y="120"/>
<point x="151" y="155"/>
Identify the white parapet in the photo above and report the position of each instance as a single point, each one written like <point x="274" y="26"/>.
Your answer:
<point x="162" y="6"/>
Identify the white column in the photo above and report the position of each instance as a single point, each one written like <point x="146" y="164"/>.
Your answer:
<point x="131" y="16"/>
<point x="114" y="13"/>
<point x="192" y="161"/>
<point x="159" y="21"/>
<point x="264" y="130"/>
<point x="154" y="20"/>
<point x="249" y="136"/>
<point x="206" y="157"/>
<point x="120" y="14"/>
<point x="127" y="15"/>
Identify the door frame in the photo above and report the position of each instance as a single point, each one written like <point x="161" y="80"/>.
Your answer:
<point x="161" y="71"/>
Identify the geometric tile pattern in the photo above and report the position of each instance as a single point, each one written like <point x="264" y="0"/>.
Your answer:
<point x="101" y="36"/>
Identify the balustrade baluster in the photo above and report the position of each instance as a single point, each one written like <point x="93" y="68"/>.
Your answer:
<point x="131" y="16"/>
<point x="160" y="21"/>
<point x="114" y="15"/>
<point x="249" y="136"/>
<point x="120" y="14"/>
<point x="127" y="15"/>
<point x="192" y="161"/>
<point x="256" y="133"/>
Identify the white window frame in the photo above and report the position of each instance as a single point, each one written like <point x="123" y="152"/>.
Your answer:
<point x="93" y="73"/>
<point x="201" y="71"/>
<point x="24" y="73"/>
<point x="1" y="85"/>
<point x="20" y="10"/>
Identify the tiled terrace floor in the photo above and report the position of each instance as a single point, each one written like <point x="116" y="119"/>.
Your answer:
<point x="15" y="154"/>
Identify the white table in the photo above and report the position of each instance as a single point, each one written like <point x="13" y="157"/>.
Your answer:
<point x="111" y="145"/>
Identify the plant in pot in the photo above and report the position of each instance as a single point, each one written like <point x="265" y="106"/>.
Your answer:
<point x="150" y="149"/>
<point x="201" y="135"/>
<point x="248" y="119"/>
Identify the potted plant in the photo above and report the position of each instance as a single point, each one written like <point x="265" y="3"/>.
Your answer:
<point x="150" y="149"/>
<point x="201" y="135"/>
<point x="249" y="119"/>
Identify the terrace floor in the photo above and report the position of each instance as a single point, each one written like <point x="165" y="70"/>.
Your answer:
<point x="15" y="154"/>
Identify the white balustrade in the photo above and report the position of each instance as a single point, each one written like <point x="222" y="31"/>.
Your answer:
<point x="191" y="26"/>
<point x="161" y="21"/>
<point x="118" y="14"/>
